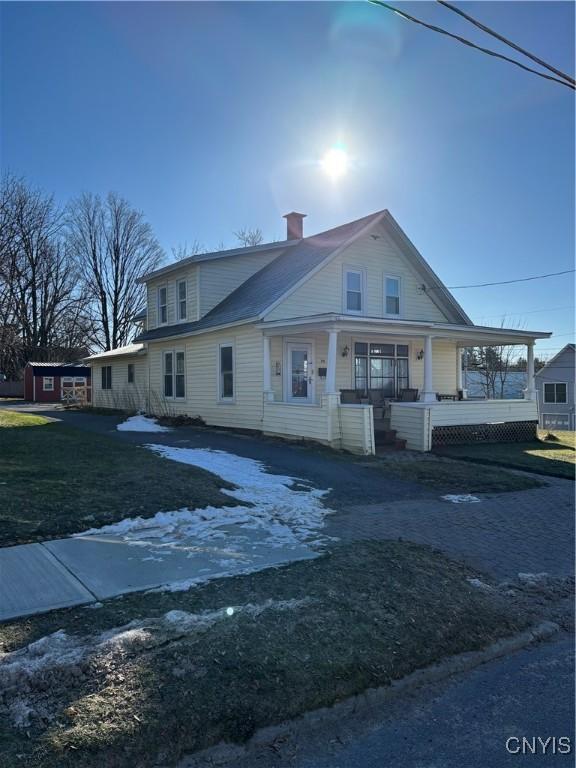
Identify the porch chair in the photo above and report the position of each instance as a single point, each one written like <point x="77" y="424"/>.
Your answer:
<point x="408" y="395"/>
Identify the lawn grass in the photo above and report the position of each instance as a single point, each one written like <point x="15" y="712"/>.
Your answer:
<point x="15" y="419"/>
<point x="450" y="476"/>
<point x="57" y="480"/>
<point x="358" y="617"/>
<point x="543" y="457"/>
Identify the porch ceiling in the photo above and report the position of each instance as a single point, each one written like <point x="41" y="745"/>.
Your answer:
<point x="463" y="335"/>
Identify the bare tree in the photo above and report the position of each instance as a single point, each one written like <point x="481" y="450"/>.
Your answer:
<point x="493" y="365"/>
<point x="249" y="237"/>
<point x="38" y="285"/>
<point x="184" y="251"/>
<point x="113" y="245"/>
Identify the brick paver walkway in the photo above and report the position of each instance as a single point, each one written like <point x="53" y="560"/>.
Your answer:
<point x="505" y="534"/>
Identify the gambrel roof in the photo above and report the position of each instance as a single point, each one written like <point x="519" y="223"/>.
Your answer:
<point x="261" y="292"/>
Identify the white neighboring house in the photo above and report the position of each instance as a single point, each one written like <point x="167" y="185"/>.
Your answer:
<point x="346" y="337"/>
<point x="555" y="388"/>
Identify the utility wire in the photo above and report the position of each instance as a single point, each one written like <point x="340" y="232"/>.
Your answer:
<point x="469" y="43"/>
<point x="502" y="39"/>
<point x="529" y="312"/>
<point x="502" y="282"/>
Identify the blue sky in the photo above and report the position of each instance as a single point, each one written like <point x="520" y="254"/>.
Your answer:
<point x="213" y="116"/>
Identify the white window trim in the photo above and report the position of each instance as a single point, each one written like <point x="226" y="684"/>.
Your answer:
<point x="46" y="379"/>
<point x="555" y="401"/>
<point x="221" y="398"/>
<point x="346" y="268"/>
<point x="178" y="284"/>
<point x="378" y="340"/>
<point x="160" y="321"/>
<point x="312" y="401"/>
<point x="173" y="352"/>
<point x="400" y="296"/>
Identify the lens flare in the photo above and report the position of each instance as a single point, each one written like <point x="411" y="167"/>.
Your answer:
<point x="335" y="163"/>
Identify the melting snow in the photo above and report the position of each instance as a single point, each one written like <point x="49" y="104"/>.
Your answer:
<point x="288" y="511"/>
<point x="141" y="423"/>
<point x="463" y="498"/>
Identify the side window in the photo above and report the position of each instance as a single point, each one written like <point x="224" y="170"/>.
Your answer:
<point x="106" y="377"/>
<point x="353" y="291"/>
<point x="130" y="373"/>
<point x="555" y="393"/>
<point x="182" y="309"/>
<point x="48" y="383"/>
<point x="180" y="383"/>
<point x="226" y="366"/>
<point x="162" y="305"/>
<point x="168" y="374"/>
<point x="391" y="295"/>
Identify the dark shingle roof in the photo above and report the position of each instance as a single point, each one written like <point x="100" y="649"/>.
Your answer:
<point x="271" y="282"/>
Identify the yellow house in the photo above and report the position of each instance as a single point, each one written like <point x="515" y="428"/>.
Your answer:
<point x="346" y="337"/>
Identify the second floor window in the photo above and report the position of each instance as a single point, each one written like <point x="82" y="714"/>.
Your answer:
<point x="162" y="305"/>
<point x="182" y="310"/>
<point x="354" y="297"/>
<point x="391" y="295"/>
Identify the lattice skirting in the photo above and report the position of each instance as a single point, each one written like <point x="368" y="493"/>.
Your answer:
<point x="505" y="432"/>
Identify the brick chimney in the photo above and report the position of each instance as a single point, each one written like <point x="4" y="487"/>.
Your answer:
<point x="294" y="225"/>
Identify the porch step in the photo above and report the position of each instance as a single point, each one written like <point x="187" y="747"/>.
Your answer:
<point x="387" y="437"/>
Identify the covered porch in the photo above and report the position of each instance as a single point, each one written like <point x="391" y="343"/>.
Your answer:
<point x="351" y="382"/>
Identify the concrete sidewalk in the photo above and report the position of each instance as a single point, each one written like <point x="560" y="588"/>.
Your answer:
<point x="35" y="578"/>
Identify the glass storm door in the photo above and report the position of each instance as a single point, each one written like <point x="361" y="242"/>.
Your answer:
<point x="300" y="382"/>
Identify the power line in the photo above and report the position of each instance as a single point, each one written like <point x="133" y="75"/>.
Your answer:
<point x="502" y="39"/>
<point x="503" y="282"/>
<point x="469" y="43"/>
<point x="529" y="312"/>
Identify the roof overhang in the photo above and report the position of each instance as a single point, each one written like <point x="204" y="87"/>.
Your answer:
<point x="464" y="335"/>
<point x="132" y="350"/>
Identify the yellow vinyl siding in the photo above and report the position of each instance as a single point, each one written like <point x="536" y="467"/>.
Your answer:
<point x="323" y="292"/>
<point x="483" y="412"/>
<point x="202" y="378"/>
<point x="190" y="274"/>
<point x="132" y="397"/>
<point x="411" y="424"/>
<point x="220" y="277"/>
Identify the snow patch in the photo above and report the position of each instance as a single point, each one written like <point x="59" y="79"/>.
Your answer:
<point x="461" y="498"/>
<point x="59" y="659"/>
<point x="141" y="423"/>
<point x="285" y="509"/>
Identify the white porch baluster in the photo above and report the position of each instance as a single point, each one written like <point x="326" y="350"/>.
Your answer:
<point x="268" y="393"/>
<point x="530" y="391"/>
<point x="428" y="394"/>
<point x="331" y="370"/>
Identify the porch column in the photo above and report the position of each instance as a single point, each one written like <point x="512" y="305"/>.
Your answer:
<point x="459" y="372"/>
<point x="530" y="391"/>
<point x="268" y="393"/>
<point x="331" y="369"/>
<point x="428" y="393"/>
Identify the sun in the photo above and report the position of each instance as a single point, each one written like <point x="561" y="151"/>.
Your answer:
<point x="335" y="163"/>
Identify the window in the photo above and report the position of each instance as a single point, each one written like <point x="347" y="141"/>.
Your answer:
<point x="162" y="305"/>
<point x="383" y="367"/>
<point x="48" y="383"/>
<point x="168" y="374"/>
<point x="180" y="375"/>
<point x="226" y="364"/>
<point x="174" y="373"/>
<point x="554" y="393"/>
<point x="130" y="373"/>
<point x="107" y="377"/>
<point x="182" y="310"/>
<point x="391" y="295"/>
<point x="354" y="291"/>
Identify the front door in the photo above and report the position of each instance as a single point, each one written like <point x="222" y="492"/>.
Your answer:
<point x="299" y="379"/>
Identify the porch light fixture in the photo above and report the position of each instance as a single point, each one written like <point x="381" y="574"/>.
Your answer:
<point x="345" y="351"/>
<point x="420" y="355"/>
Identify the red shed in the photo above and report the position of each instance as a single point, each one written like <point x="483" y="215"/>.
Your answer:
<point x="54" y="382"/>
